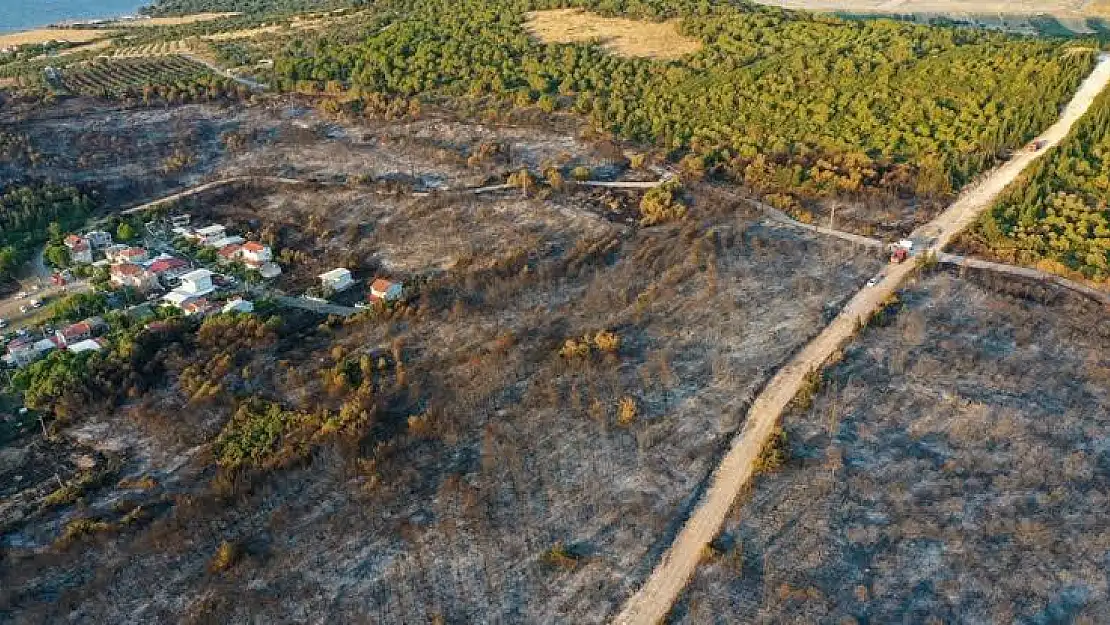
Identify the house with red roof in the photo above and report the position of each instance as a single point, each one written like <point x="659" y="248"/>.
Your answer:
<point x="127" y="274"/>
<point x="255" y="254"/>
<point x="382" y="290"/>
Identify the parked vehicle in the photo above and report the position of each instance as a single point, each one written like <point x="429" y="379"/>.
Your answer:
<point x="899" y="255"/>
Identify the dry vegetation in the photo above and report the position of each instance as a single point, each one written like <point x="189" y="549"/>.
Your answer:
<point x="46" y="35"/>
<point x="173" y="21"/>
<point x="622" y="36"/>
<point x="952" y="468"/>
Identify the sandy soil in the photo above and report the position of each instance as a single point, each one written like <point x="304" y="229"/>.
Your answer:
<point x="620" y="36"/>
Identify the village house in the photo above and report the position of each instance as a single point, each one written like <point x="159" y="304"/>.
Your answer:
<point x="74" y="333"/>
<point x="238" y="305"/>
<point x="135" y="276"/>
<point x="200" y="307"/>
<point x="197" y="283"/>
<point x="255" y="254"/>
<point x="168" y="268"/>
<point x="336" y="280"/>
<point x="87" y="345"/>
<point x="98" y="239"/>
<point x="208" y="234"/>
<point x="132" y="255"/>
<point x="226" y="241"/>
<point x="77" y="332"/>
<point x="229" y="253"/>
<point x="382" y="290"/>
<point x="81" y="253"/>
<point x="22" y="352"/>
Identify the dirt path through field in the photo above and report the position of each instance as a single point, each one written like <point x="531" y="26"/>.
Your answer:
<point x="653" y="601"/>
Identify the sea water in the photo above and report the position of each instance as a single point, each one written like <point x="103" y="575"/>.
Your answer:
<point x="25" y="14"/>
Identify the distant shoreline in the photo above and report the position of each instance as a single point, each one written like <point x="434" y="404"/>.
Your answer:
<point x="63" y="14"/>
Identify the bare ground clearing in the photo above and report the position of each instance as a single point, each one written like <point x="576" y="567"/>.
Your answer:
<point x="621" y="36"/>
<point x="952" y="468"/>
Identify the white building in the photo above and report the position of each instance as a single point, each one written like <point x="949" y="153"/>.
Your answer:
<point x="224" y="241"/>
<point x="196" y="283"/>
<point x="337" y="279"/>
<point x="255" y="254"/>
<point x="211" y="233"/>
<point x="88" y="345"/>
<point x="238" y="306"/>
<point x="99" y="239"/>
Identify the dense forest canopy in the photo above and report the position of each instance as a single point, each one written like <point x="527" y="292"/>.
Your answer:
<point x="787" y="102"/>
<point x="185" y="7"/>
<point x="26" y="213"/>
<point x="1056" y="215"/>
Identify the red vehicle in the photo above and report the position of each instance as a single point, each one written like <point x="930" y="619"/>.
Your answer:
<point x="899" y="255"/>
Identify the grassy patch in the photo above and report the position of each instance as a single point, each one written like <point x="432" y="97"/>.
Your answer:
<point x="621" y="36"/>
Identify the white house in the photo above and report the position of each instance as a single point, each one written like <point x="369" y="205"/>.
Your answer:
<point x="238" y="306"/>
<point x="337" y="279"/>
<point x="211" y="233"/>
<point x="88" y="345"/>
<point x="224" y="241"/>
<point x="81" y="253"/>
<point x="98" y="239"/>
<point x="196" y="283"/>
<point x="255" y="254"/>
<point x="127" y="274"/>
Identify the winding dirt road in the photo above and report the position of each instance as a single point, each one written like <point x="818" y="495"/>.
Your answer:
<point x="654" y="599"/>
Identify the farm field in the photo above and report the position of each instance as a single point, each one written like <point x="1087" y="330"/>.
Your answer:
<point x="950" y="467"/>
<point x="118" y="76"/>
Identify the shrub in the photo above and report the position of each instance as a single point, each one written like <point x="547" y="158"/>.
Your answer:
<point x="607" y="341"/>
<point x="581" y="173"/>
<point x="227" y="554"/>
<point x="774" y="454"/>
<point x="662" y="204"/>
<point x="627" y="411"/>
<point x="574" y="348"/>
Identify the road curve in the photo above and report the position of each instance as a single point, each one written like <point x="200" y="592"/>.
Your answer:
<point x="651" y="603"/>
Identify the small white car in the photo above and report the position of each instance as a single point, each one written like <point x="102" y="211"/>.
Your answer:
<point x="874" y="281"/>
<point x="3" y="323"/>
<point x="36" y="304"/>
<point x="21" y="295"/>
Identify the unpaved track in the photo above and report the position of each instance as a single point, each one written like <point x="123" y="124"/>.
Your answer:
<point x="1026" y="272"/>
<point x="653" y="601"/>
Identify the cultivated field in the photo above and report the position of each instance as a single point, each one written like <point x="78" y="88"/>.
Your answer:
<point x="621" y="36"/>
<point x="952" y="468"/>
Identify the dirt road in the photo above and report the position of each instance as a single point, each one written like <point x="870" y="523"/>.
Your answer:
<point x="208" y="186"/>
<point x="1026" y="272"/>
<point x="654" y="599"/>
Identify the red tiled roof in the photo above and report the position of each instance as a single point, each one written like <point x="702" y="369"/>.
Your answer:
<point x="133" y="251"/>
<point x="127" y="269"/>
<point x="77" y="329"/>
<point x="79" y="246"/>
<point x="230" y="250"/>
<point x="381" y="285"/>
<point x="166" y="264"/>
<point x="73" y="239"/>
<point x="254" y="246"/>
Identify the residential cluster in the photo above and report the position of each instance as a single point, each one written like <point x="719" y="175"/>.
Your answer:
<point x="164" y="278"/>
